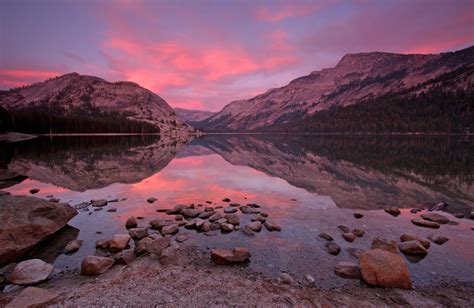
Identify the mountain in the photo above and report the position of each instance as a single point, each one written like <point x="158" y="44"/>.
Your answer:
<point x="193" y="116"/>
<point x="356" y="78"/>
<point x="74" y="95"/>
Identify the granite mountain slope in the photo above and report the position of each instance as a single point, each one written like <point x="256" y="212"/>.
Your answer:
<point x="356" y="78"/>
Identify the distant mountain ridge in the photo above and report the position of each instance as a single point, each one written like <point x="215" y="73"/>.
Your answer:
<point x="356" y="78"/>
<point x="193" y="116"/>
<point x="73" y="95"/>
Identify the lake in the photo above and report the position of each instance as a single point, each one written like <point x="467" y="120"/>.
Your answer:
<point x="307" y="184"/>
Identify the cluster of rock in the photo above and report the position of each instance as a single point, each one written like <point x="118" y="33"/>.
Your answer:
<point x="382" y="265"/>
<point x="97" y="205"/>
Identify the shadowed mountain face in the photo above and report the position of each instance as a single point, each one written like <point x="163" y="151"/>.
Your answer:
<point x="193" y="116"/>
<point x="360" y="172"/>
<point x="82" y="163"/>
<point x="357" y="78"/>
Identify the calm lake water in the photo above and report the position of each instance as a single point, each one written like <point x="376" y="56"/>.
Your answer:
<point x="308" y="184"/>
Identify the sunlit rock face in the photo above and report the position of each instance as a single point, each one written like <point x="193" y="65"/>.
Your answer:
<point x="365" y="173"/>
<point x="94" y="162"/>
<point x="355" y="78"/>
<point x="79" y="94"/>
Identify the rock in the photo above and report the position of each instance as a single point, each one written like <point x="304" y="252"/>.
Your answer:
<point x="206" y="226"/>
<point x="355" y="252"/>
<point x="163" y="210"/>
<point x="358" y="215"/>
<point x="125" y="257"/>
<point x="30" y="272"/>
<point x="171" y="229"/>
<point x="113" y="200"/>
<point x="157" y="246"/>
<point x="27" y="221"/>
<point x="54" y="200"/>
<point x="119" y="242"/>
<point x="425" y="223"/>
<point x="236" y="255"/>
<point x="245" y="209"/>
<point x="182" y="237"/>
<point x="99" y="202"/>
<point x="349" y="237"/>
<point x="225" y="227"/>
<point x="458" y="215"/>
<point x="435" y="217"/>
<point x="131" y="222"/>
<point x="438" y="239"/>
<point x="393" y="210"/>
<point x="209" y="202"/>
<point x="344" y="228"/>
<point x="34" y="191"/>
<point x="358" y="232"/>
<point x="325" y="236"/>
<point x="309" y="278"/>
<point x="151" y="200"/>
<point x="247" y="231"/>
<point x="411" y="237"/>
<point x="383" y="243"/>
<point x="215" y="216"/>
<point x="271" y="226"/>
<point x="471" y="216"/>
<point x="112" y="210"/>
<point x="177" y="209"/>
<point x="95" y="265"/>
<point x="226" y="200"/>
<point x="254" y="205"/>
<point x="138" y="233"/>
<point x="234" y="204"/>
<point x="72" y="246"/>
<point x="199" y="222"/>
<point x="232" y="219"/>
<point x="178" y="217"/>
<point x="206" y="214"/>
<point x="333" y="248"/>
<point x="347" y="270"/>
<point x="32" y="297"/>
<point x="438" y="207"/>
<point x="414" y="211"/>
<point x="382" y="268"/>
<point x="208" y="209"/>
<point x="258" y="217"/>
<point x="286" y="278"/>
<point x="158" y="224"/>
<point x="190" y="213"/>
<point x="255" y="226"/>
<point x="142" y="246"/>
<point x="264" y="214"/>
<point x="413" y="247"/>
<point x="190" y="224"/>
<point x="230" y="210"/>
<point x="221" y="221"/>
<point x="102" y="244"/>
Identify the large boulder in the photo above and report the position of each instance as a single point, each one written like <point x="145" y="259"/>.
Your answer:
<point x="382" y="268"/>
<point x="26" y="221"/>
<point x="95" y="265"/>
<point x="119" y="242"/>
<point x="31" y="272"/>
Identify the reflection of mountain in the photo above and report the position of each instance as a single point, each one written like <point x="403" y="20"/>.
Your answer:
<point x="82" y="163"/>
<point x="360" y="172"/>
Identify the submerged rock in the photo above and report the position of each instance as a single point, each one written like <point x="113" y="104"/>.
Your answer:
<point x="272" y="226"/>
<point x="435" y="217"/>
<point x="413" y="247"/>
<point x="151" y="200"/>
<point x="31" y="272"/>
<point x="131" y="222"/>
<point x="34" y="191"/>
<point x="206" y="214"/>
<point x="333" y="248"/>
<point x="99" y="202"/>
<point x="438" y="239"/>
<point x="358" y="232"/>
<point x="393" y="210"/>
<point x="355" y="252"/>
<point x="95" y="265"/>
<point x="245" y="209"/>
<point x="349" y="237"/>
<point x="326" y="236"/>
<point x="171" y="229"/>
<point x="425" y="223"/>
<point x="344" y="228"/>
<point x="410" y="237"/>
<point x="255" y="226"/>
<point x="347" y="270"/>
<point x="216" y="216"/>
<point x="138" y="233"/>
<point x="72" y="246"/>
<point x="225" y="227"/>
<point x="382" y="268"/>
<point x="226" y="200"/>
<point x="232" y="219"/>
<point x="230" y="210"/>
<point x="32" y="297"/>
<point x="27" y="221"/>
<point x="358" y="215"/>
<point x="224" y="256"/>
<point x="383" y="243"/>
<point x="102" y="244"/>
<point x="190" y="213"/>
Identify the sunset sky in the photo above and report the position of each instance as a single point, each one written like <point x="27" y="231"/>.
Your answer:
<point x="203" y="54"/>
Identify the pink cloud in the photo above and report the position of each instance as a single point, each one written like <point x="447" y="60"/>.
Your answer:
<point x="279" y="13"/>
<point x="21" y="77"/>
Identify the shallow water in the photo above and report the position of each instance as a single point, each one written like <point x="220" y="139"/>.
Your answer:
<point x="308" y="184"/>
